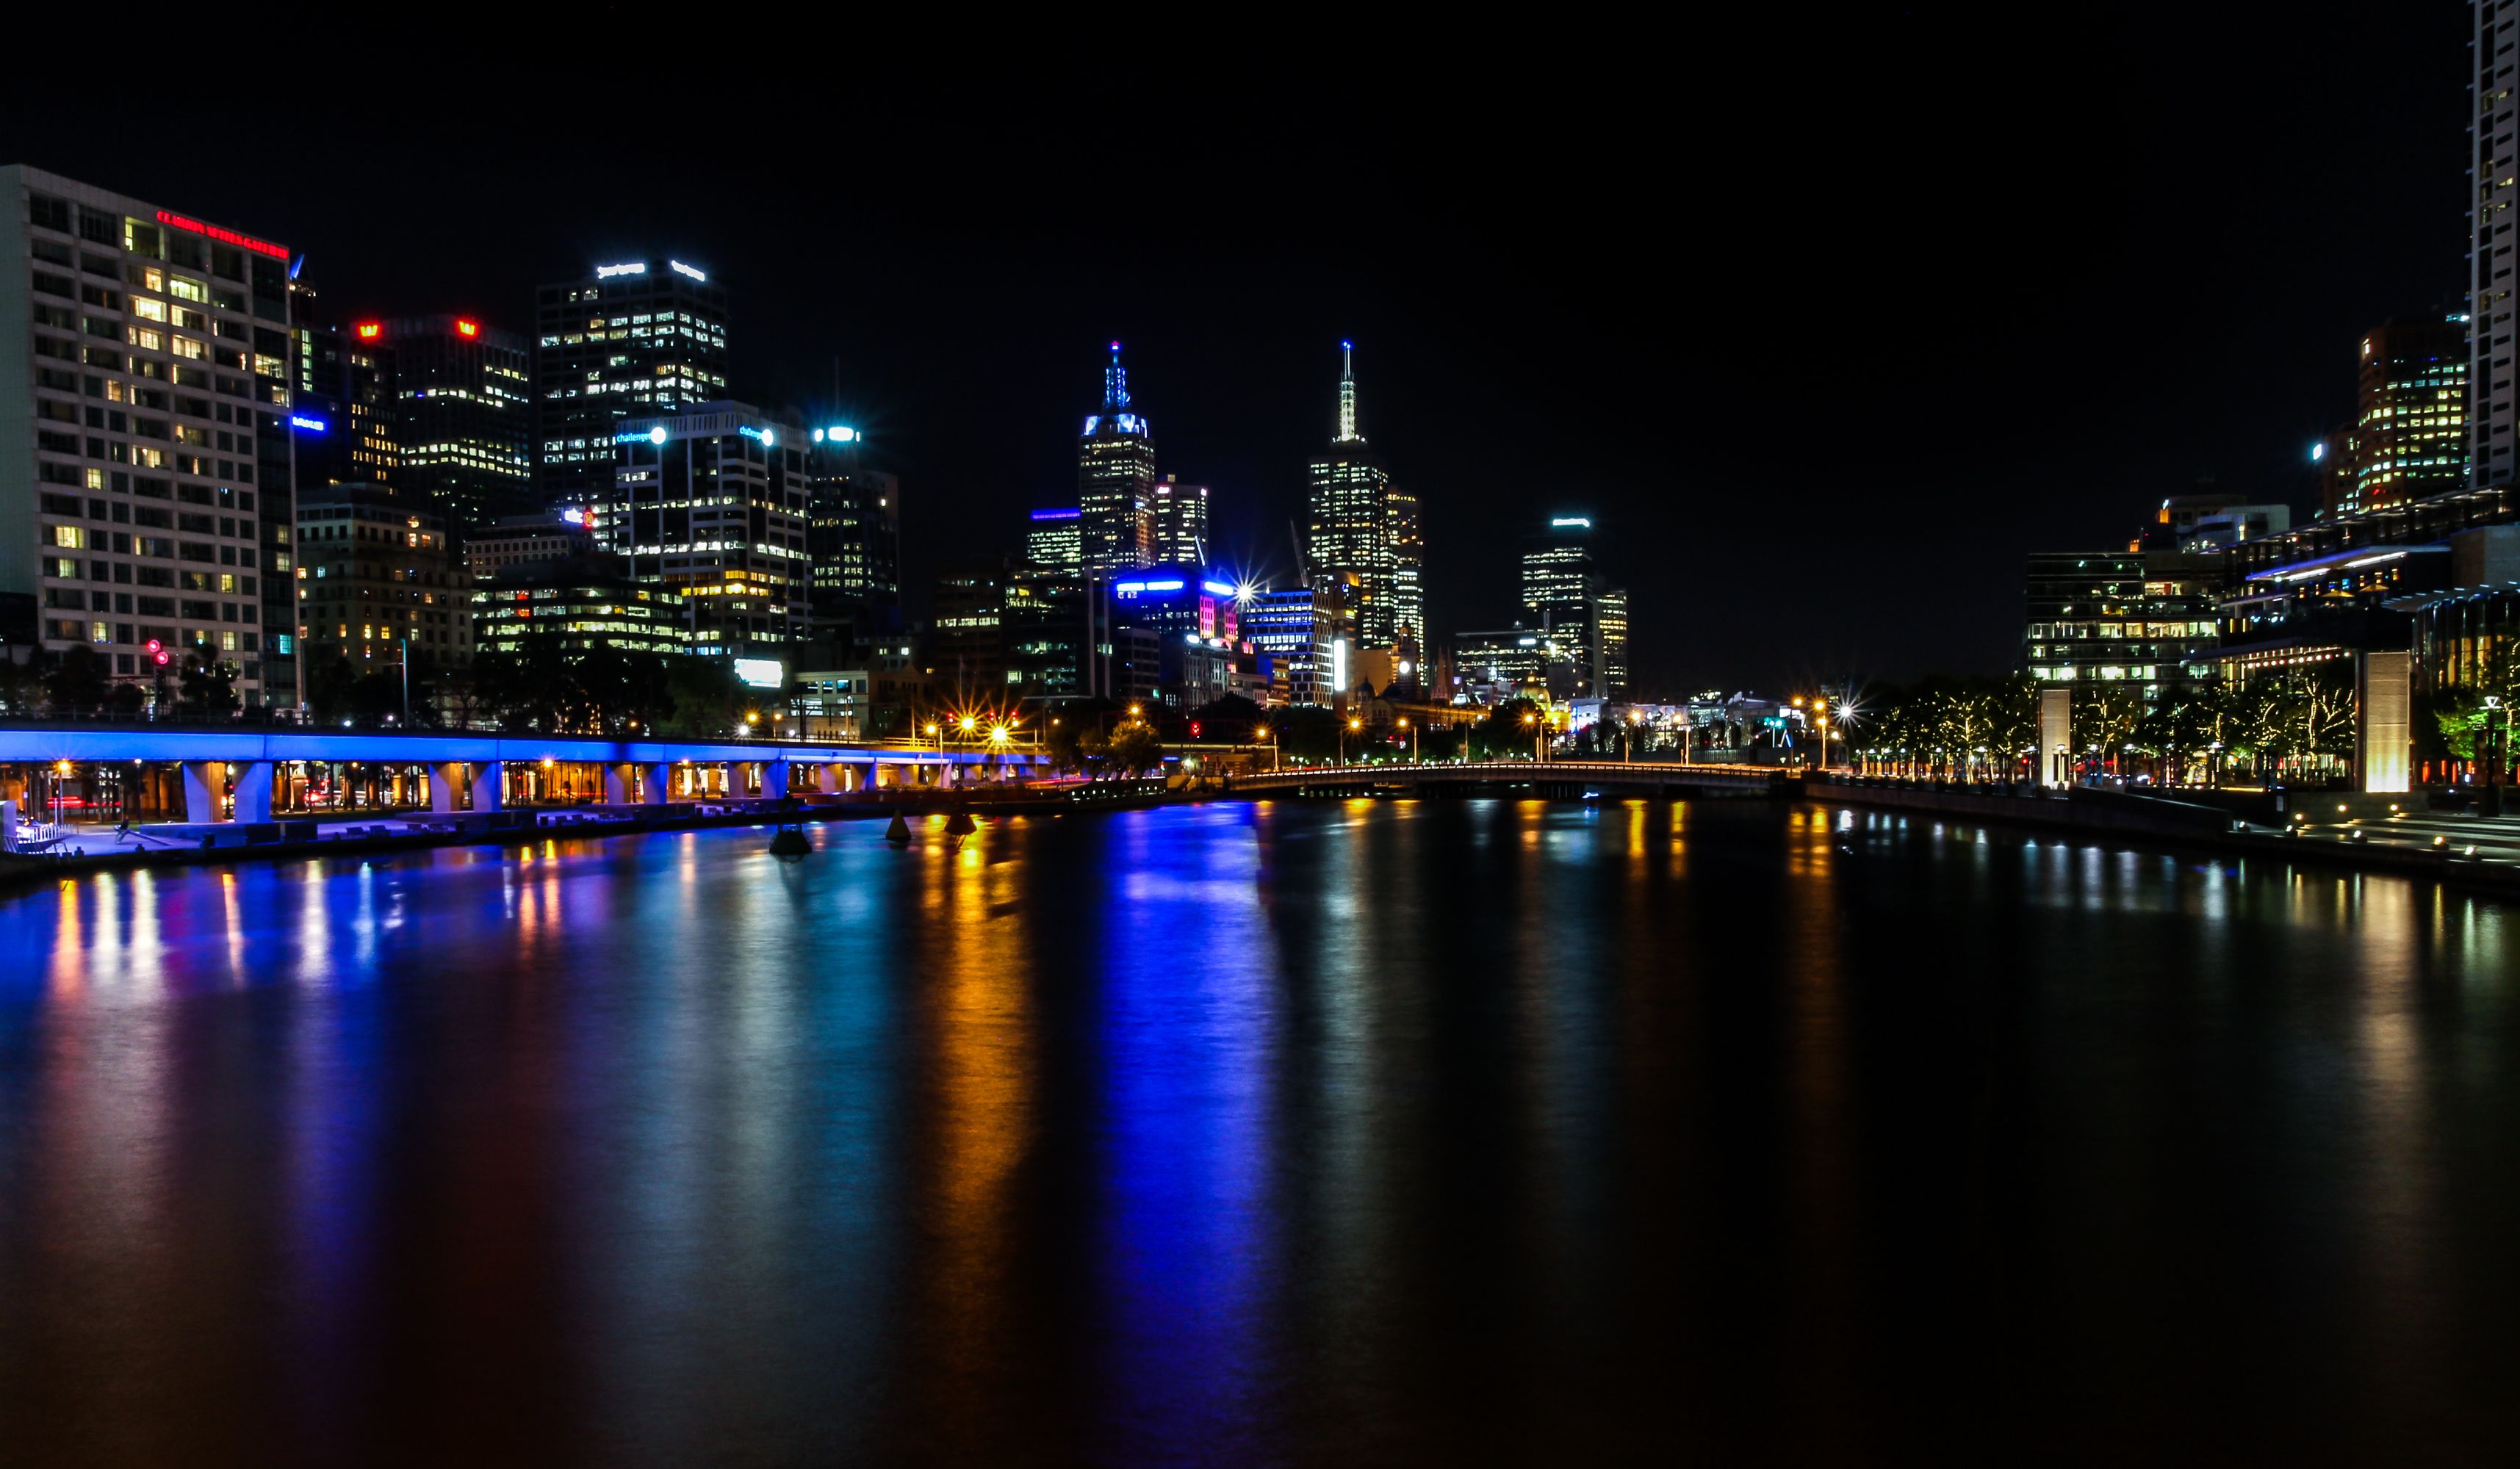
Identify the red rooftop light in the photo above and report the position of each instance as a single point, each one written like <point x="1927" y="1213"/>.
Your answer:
<point x="371" y="331"/>
<point x="467" y="326"/>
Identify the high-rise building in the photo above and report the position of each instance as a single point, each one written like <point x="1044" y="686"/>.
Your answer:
<point x="1610" y="640"/>
<point x="527" y="540"/>
<point x="1559" y="591"/>
<point x="2493" y="230"/>
<point x="1305" y="633"/>
<point x="2409" y="438"/>
<point x="1116" y="480"/>
<point x="375" y="569"/>
<point x="713" y="504"/>
<point x="855" y="539"/>
<point x="1055" y="541"/>
<point x="144" y="434"/>
<point x="341" y="385"/>
<point x="1360" y="523"/>
<point x="639" y="338"/>
<point x="463" y="419"/>
<point x="2149" y="619"/>
<point x="1180" y="524"/>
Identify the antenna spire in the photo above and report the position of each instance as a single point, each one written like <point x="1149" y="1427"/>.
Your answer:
<point x="1115" y="384"/>
<point x="1347" y="434"/>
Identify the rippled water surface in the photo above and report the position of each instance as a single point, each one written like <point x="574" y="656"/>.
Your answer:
<point x="1381" y="1133"/>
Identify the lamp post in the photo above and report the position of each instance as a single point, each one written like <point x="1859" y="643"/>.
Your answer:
<point x="1351" y="725"/>
<point x="1264" y="732"/>
<point x="1412" y="739"/>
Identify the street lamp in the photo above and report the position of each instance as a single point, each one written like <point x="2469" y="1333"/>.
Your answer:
<point x="1264" y="732"/>
<point x="1412" y="739"/>
<point x="1353" y="724"/>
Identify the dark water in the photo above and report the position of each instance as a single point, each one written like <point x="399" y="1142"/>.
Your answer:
<point x="1302" y="1133"/>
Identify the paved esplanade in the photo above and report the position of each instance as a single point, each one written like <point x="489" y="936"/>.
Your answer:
<point x="216" y="762"/>
<point x="1636" y="775"/>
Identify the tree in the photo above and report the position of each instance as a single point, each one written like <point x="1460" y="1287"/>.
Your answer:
<point x="76" y="683"/>
<point x="207" y="686"/>
<point x="1134" y="748"/>
<point x="1503" y="733"/>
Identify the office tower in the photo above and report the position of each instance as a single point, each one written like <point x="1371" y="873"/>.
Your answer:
<point x="1610" y="640"/>
<point x="2493" y="230"/>
<point x="637" y="338"/>
<point x="1055" y="541"/>
<point x="1363" y="523"/>
<point x="1558" y="588"/>
<point x="2409" y="438"/>
<point x="341" y="383"/>
<point x="581" y="606"/>
<point x="526" y="541"/>
<point x="144" y="392"/>
<point x="1180" y="524"/>
<point x="854" y="542"/>
<point x="463" y="419"/>
<point x="1305" y="633"/>
<point x="1500" y="664"/>
<point x="713" y="504"/>
<point x="378" y="572"/>
<point x="1116" y="480"/>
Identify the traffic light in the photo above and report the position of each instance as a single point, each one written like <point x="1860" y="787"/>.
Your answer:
<point x="1193" y="729"/>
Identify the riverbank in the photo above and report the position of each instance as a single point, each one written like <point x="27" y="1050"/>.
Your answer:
<point x="2362" y="832"/>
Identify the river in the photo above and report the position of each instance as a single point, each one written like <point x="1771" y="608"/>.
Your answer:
<point x="1297" y="1133"/>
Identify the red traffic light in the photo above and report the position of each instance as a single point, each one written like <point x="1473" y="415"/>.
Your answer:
<point x="155" y="645"/>
<point x="1193" y="729"/>
<point x="161" y="658"/>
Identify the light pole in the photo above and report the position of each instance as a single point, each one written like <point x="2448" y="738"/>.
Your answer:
<point x="1353" y="724"/>
<point x="1412" y="739"/>
<point x="1264" y="732"/>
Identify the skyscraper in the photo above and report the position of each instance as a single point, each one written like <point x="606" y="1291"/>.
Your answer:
<point x="1558" y="592"/>
<point x="1360" y="523"/>
<point x="1116" y="480"/>
<point x="637" y="338"/>
<point x="1180" y="534"/>
<point x="855" y="539"/>
<point x="2493" y="120"/>
<point x="142" y="423"/>
<point x="2409" y="438"/>
<point x="1610" y="640"/>
<point x="713" y="504"/>
<point x="1054" y="541"/>
<point x="463" y="421"/>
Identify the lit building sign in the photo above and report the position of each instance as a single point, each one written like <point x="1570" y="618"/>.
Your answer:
<point x="573" y="517"/>
<point x="1338" y="665"/>
<point x="229" y="237"/>
<point x="464" y="328"/>
<point x="837" y="435"/>
<point x="681" y="268"/>
<point x="1218" y="588"/>
<point x="761" y="672"/>
<point x="310" y="426"/>
<point x="371" y="331"/>
<point x="1572" y="521"/>
<point x="768" y="438"/>
<point x="1056" y="514"/>
<point x="634" y="268"/>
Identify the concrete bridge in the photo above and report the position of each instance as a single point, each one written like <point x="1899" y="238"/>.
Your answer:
<point x="244" y="762"/>
<point x="1553" y="777"/>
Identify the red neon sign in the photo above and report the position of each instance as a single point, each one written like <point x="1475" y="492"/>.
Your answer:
<point x="468" y="328"/>
<point x="371" y="331"/>
<point x="231" y="237"/>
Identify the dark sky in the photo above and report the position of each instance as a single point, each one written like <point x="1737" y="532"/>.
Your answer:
<point x="1826" y="324"/>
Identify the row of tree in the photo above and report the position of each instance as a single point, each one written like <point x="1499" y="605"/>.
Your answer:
<point x="80" y="684"/>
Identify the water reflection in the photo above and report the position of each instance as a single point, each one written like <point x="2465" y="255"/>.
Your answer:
<point x="1468" y="1130"/>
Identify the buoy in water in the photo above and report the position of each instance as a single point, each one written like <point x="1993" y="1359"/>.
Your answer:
<point x="789" y="844"/>
<point x="898" y="832"/>
<point x="960" y="824"/>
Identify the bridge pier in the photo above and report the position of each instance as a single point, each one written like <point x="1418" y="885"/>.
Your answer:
<point x="444" y="779"/>
<point x="659" y="783"/>
<point x="253" y="792"/>
<point x="489" y="783"/>
<point x="774" y="780"/>
<point x="204" y="782"/>
<point x="617" y="784"/>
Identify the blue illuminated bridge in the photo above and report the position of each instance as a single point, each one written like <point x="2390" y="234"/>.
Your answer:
<point x="243" y="763"/>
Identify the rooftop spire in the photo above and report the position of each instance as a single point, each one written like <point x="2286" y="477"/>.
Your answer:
<point x="1115" y="384"/>
<point x="1347" y="434"/>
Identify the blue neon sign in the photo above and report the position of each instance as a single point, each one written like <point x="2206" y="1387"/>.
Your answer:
<point x="307" y="424"/>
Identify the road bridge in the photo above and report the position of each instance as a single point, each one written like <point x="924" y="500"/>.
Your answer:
<point x="238" y="767"/>
<point x="1553" y="777"/>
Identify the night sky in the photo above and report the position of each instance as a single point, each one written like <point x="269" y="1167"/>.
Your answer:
<point x="1825" y="324"/>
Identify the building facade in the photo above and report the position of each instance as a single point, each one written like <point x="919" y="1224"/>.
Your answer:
<point x="1055" y="541"/>
<point x="527" y="540"/>
<point x="463" y="416"/>
<point x="1116" y="480"/>
<point x="713" y="505"/>
<point x="583" y="604"/>
<point x="2150" y="620"/>
<point x="636" y="338"/>
<point x="2409" y="438"/>
<point x="375" y="573"/>
<point x="144" y="399"/>
<point x="1179" y="534"/>
<point x="2493" y="230"/>
<point x="854" y="542"/>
